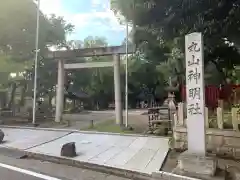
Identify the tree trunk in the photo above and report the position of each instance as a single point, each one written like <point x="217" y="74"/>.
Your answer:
<point x="74" y="104"/>
<point x="50" y="97"/>
<point x="224" y="77"/>
<point x="12" y="97"/>
<point x="64" y="103"/>
<point x="23" y="94"/>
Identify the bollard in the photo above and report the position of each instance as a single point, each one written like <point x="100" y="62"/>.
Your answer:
<point x="91" y="124"/>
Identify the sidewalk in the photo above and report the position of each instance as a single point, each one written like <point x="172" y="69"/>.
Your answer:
<point x="126" y="152"/>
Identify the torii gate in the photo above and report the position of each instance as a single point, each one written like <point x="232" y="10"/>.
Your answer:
<point x="63" y="56"/>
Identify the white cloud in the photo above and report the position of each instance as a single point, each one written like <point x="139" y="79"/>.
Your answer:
<point x="52" y="7"/>
<point x="82" y="20"/>
<point x="96" y="2"/>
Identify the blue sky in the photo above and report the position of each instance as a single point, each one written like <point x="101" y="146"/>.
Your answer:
<point x="90" y="17"/>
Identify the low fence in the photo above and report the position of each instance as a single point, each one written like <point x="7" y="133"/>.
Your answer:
<point x="222" y="131"/>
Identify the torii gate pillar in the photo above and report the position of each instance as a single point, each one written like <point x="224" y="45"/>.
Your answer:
<point x="117" y="90"/>
<point x="60" y="91"/>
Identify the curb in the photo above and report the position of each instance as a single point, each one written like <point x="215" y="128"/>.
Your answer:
<point x="166" y="176"/>
<point x="95" y="167"/>
<point x="160" y="175"/>
<point x="140" y="113"/>
<point x="78" y="131"/>
<point x="36" y="128"/>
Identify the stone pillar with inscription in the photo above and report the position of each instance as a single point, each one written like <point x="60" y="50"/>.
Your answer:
<point x="195" y="90"/>
<point x="195" y="160"/>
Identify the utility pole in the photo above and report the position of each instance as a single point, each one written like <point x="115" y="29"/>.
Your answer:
<point x="126" y="72"/>
<point x="36" y="64"/>
<point x="126" y="67"/>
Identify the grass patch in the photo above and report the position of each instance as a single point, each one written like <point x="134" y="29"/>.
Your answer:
<point x="109" y="126"/>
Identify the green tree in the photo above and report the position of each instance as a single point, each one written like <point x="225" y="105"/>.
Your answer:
<point x="17" y="37"/>
<point x="17" y="43"/>
<point x="159" y="23"/>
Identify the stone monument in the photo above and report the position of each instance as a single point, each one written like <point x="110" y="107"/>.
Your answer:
<point x="1" y="136"/>
<point x="69" y="150"/>
<point x="195" y="160"/>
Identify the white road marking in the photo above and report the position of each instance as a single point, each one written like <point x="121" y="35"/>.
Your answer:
<point x="31" y="173"/>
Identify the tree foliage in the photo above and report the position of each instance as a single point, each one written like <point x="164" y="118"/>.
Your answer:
<point x="18" y="29"/>
<point x="17" y="46"/>
<point x="160" y="23"/>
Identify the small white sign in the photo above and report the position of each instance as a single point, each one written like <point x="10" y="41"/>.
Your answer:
<point x="195" y="91"/>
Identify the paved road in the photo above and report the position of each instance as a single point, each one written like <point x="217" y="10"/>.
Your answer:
<point x="99" y="115"/>
<point x="14" y="168"/>
<point x="7" y="173"/>
<point x="83" y="120"/>
<point x="88" y="117"/>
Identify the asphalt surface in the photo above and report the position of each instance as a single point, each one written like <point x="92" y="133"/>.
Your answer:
<point x="13" y="166"/>
<point x="7" y="174"/>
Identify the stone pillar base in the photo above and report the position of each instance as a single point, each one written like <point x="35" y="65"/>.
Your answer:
<point x="197" y="164"/>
